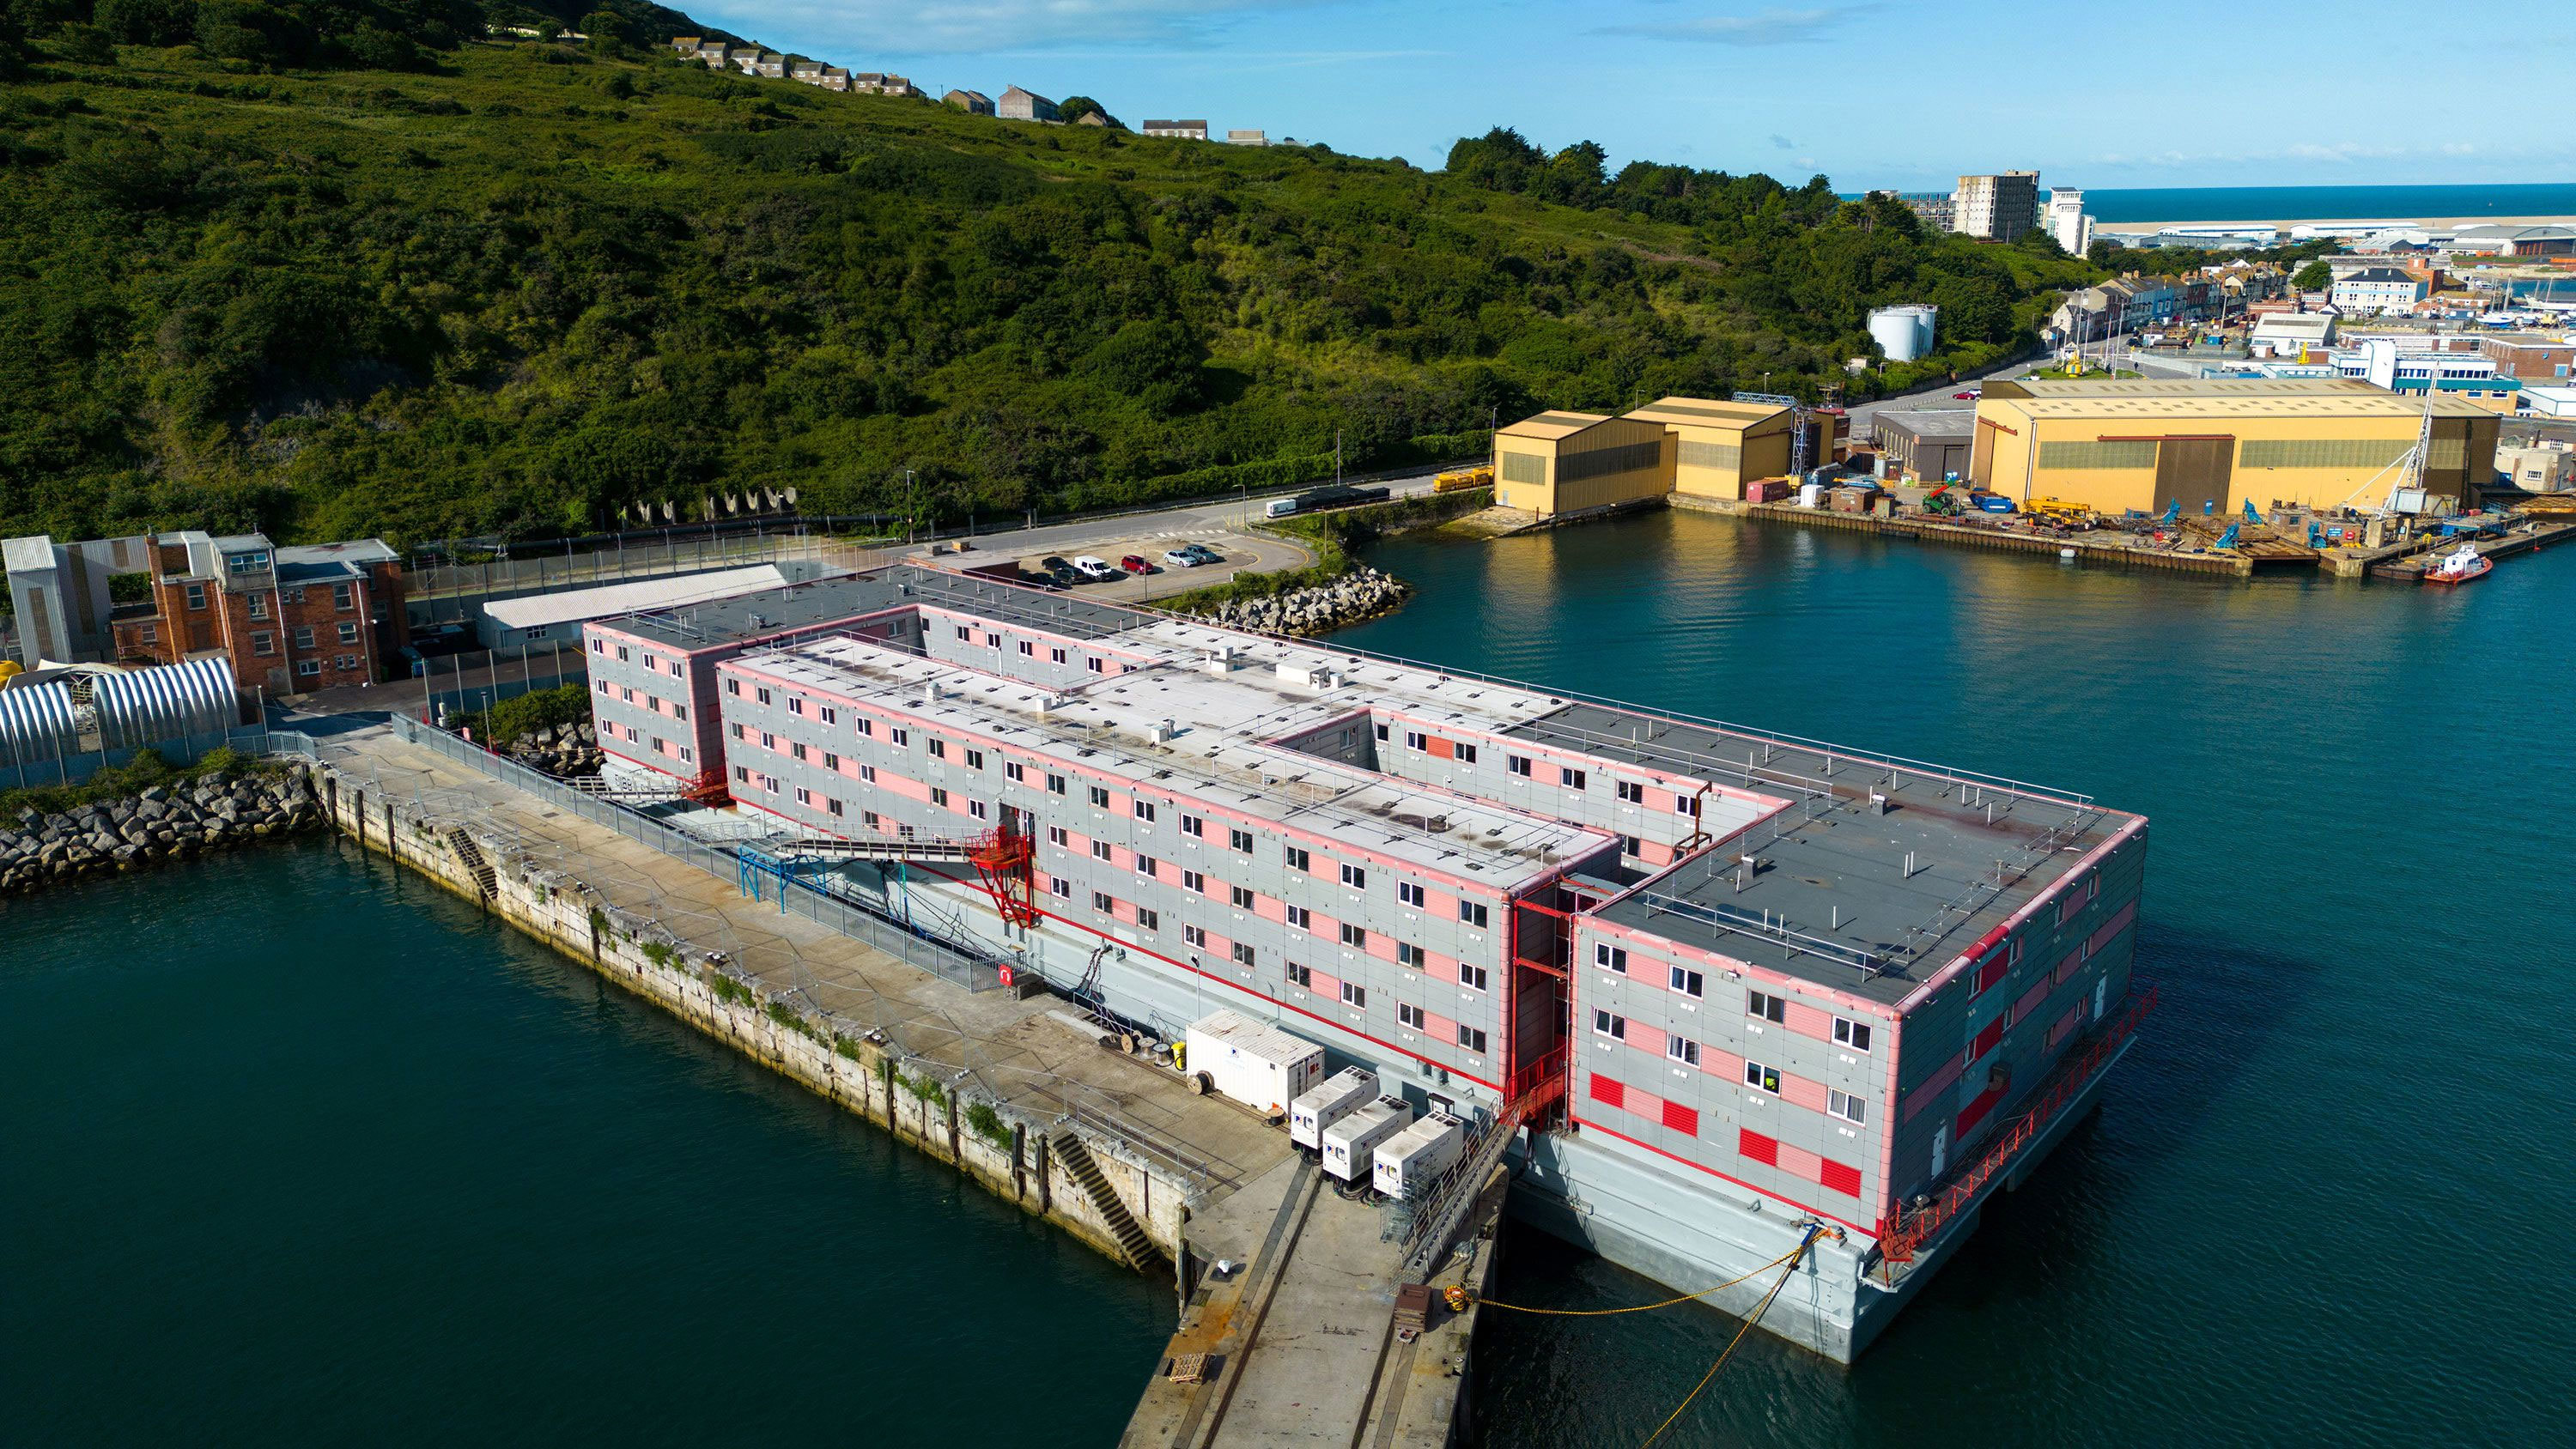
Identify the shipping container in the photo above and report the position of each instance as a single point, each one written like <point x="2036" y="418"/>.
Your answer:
<point x="1260" y="1066"/>
<point x="1350" y="1145"/>
<point x="1310" y="1114"/>
<point x="1414" y="1158"/>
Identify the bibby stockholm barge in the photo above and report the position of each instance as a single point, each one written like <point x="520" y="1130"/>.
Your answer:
<point x="1729" y="985"/>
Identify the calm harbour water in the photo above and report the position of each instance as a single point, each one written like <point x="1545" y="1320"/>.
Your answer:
<point x="302" y="1154"/>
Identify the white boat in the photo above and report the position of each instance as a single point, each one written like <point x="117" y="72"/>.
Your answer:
<point x="2459" y="566"/>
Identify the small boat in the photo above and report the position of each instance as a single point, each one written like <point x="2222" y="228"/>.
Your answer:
<point x="2459" y="567"/>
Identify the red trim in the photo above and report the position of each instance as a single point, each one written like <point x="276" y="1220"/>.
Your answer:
<point x="1219" y="979"/>
<point x="1722" y="1177"/>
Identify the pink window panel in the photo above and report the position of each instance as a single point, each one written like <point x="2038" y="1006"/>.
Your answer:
<point x="1322" y="981"/>
<point x="2031" y="999"/>
<point x="1662" y="801"/>
<point x="1443" y="749"/>
<point x="1124" y="911"/>
<point x="1323" y="926"/>
<point x="2067" y="968"/>
<point x="1434" y="1024"/>
<point x="1807" y="1021"/>
<point x="1380" y="944"/>
<point x="1798" y="1162"/>
<point x="1934" y="1087"/>
<point x="1644" y="1104"/>
<point x="1608" y="1091"/>
<point x="1718" y="1062"/>
<point x="1644" y="1038"/>
<point x="1270" y="908"/>
<point x="2064" y="1026"/>
<point x="1975" y="1112"/>
<point x="1839" y="1177"/>
<point x="1987" y="1040"/>
<point x="1752" y="1146"/>
<point x="2112" y="928"/>
<point x="897" y="785"/>
<point x="1679" y="1118"/>
<point x="1995" y="969"/>
<point x="1802" y="1092"/>
<point x="1439" y="968"/>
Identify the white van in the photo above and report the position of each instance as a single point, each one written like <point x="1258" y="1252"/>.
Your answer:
<point x="1280" y="507"/>
<point x="1095" y="568"/>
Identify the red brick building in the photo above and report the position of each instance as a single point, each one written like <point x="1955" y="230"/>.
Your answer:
<point x="291" y="620"/>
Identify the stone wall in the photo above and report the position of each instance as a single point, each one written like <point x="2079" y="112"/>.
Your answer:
<point x="216" y="811"/>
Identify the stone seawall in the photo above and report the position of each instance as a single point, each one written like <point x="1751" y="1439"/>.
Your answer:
<point x="186" y="818"/>
<point x="856" y="1071"/>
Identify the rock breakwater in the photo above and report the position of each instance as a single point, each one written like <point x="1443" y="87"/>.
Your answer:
<point x="1363" y="593"/>
<point x="166" y="822"/>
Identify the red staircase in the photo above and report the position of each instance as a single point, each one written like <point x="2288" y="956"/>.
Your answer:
<point x="1903" y="1233"/>
<point x="1002" y="860"/>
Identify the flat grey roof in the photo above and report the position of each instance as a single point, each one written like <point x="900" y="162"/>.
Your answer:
<point x="772" y="612"/>
<point x="1947" y="425"/>
<point x="1833" y="900"/>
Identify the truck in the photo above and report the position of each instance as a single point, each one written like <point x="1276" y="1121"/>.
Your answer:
<point x="1414" y="1158"/>
<point x="1343" y="1094"/>
<point x="1336" y="496"/>
<point x="1260" y="1066"/>
<point x="1462" y="479"/>
<point x="1350" y="1145"/>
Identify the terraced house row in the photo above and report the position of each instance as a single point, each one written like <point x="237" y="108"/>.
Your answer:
<point x="1739" y="987"/>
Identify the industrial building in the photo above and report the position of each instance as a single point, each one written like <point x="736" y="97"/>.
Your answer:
<point x="2215" y="445"/>
<point x="556" y="618"/>
<point x="1743" y="990"/>
<point x="1925" y="445"/>
<point x="1564" y="465"/>
<point x="1904" y="333"/>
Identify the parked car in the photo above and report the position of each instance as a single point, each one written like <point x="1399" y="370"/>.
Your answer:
<point x="1183" y="558"/>
<point x="1135" y="563"/>
<point x="1970" y="394"/>
<point x="1091" y="567"/>
<point x="1052" y="562"/>
<point x="1063" y="576"/>
<point x="1203" y="553"/>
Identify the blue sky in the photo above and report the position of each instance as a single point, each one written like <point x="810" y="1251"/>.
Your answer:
<point x="1906" y="94"/>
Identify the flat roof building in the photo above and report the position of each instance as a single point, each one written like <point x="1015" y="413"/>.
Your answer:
<point x="1178" y="130"/>
<point x="2001" y="207"/>
<point x="1927" y="445"/>
<point x="2214" y="445"/>
<point x="1571" y="464"/>
<point x="1717" y="447"/>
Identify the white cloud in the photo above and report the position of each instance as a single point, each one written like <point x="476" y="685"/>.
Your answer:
<point x="949" y="27"/>
<point x="1766" y="27"/>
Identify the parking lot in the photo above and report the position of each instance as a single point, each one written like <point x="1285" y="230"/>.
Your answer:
<point x="1241" y="552"/>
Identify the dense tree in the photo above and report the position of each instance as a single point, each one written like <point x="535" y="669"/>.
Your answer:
<point x="2316" y="276"/>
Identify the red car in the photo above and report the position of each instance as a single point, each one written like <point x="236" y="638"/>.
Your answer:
<point x="1134" y="563"/>
<point x="1971" y="393"/>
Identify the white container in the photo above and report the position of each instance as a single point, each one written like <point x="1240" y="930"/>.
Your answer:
<point x="1310" y="1114"/>
<point x="1260" y="1066"/>
<point x="1811" y="495"/>
<point x="1415" y="1157"/>
<point x="1350" y="1143"/>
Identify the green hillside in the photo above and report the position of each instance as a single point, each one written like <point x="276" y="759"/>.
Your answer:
<point x="340" y="270"/>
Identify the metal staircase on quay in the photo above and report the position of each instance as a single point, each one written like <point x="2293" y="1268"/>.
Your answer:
<point x="486" y="881"/>
<point x="1132" y="1241"/>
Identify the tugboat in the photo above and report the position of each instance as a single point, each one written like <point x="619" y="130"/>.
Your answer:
<point x="2459" y="567"/>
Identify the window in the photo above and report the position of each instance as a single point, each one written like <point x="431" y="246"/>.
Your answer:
<point x="1194" y="935"/>
<point x="762" y="693"/>
<point x="980" y="810"/>
<point x="768" y="741"/>
<point x="263" y="642"/>
<point x="830" y="715"/>
<point x="1570" y="779"/>
<point x="804" y="796"/>
<point x="965" y="634"/>
<point x="736" y="726"/>
<point x="1095" y="665"/>
<point x="1846" y="1106"/>
<point x="621" y="649"/>
<point x="1472" y="913"/>
<point x="1354" y="877"/>
<point x="196" y="596"/>
<point x="939" y="749"/>
<point x="831" y="806"/>
<point x="1413" y="740"/>
<point x="1243" y="954"/>
<point x="1150" y="920"/>
<point x="1055" y="784"/>
<point x="1766" y="1007"/>
<point x="938" y="797"/>
<point x="1408" y="954"/>
<point x="1472" y="1039"/>
<point x="1632" y="793"/>
<point x="1056" y="835"/>
<point x="868" y="818"/>
<point x="1407" y="893"/>
<point x="679" y="711"/>
<point x="1099" y="797"/>
<point x="898" y="736"/>
<point x="600" y="646"/>
<point x="1147" y="865"/>
<point x="1029" y="648"/>
<point x="740" y="774"/>
<point x="1100" y="850"/>
<point x="1765" y="1078"/>
<point x="1408" y="1014"/>
<point x="1192" y="825"/>
<point x="308" y="667"/>
<point x="1686" y="805"/>
<point x="868" y="773"/>
<point x="1055" y="656"/>
<point x="1240" y="840"/>
<point x="1297" y="857"/>
<point x="1471" y="977"/>
<point x="1101" y="902"/>
<point x="831" y="761"/>
<point x="1299" y="975"/>
<point x="1301" y="918"/>
<point x="1354" y="937"/>
<point x="795" y="706"/>
<point x="1015" y="772"/>
<point x="1144" y="809"/>
<point x="1631" y="845"/>
<point x="864" y="726"/>
<point x="1193" y="881"/>
<point x="1059" y="887"/>
<point x="797" y="749"/>
<point x="303" y="638"/>
<point x="1605" y="1024"/>
<point x="992" y="641"/>
<point x="1682" y="1050"/>
<point x="1853" y="1034"/>
<point x="1518" y="764"/>
<point x="974" y="759"/>
<point x="1466" y="754"/>
<point x="1354" y="994"/>
<point x="1609" y="957"/>
<point x="259" y="610"/>
<point x="1242" y="899"/>
<point x="152" y="634"/>
<point x="1687" y="982"/>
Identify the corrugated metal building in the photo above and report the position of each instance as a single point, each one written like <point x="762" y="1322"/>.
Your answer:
<point x="1564" y="464"/>
<point x="1720" y="446"/>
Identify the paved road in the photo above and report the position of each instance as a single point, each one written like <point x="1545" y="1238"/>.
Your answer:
<point x="1188" y="520"/>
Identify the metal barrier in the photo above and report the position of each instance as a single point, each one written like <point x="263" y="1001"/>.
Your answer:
<point x="44" y="771"/>
<point x="800" y="897"/>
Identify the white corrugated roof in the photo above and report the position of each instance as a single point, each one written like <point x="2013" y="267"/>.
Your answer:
<point x="536" y="611"/>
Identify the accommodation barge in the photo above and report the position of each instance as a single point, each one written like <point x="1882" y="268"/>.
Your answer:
<point x="1729" y="990"/>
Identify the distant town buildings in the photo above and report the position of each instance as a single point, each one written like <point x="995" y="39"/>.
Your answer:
<point x="973" y="103"/>
<point x="2067" y="221"/>
<point x="1018" y="104"/>
<point x="1177" y="130"/>
<point x="2377" y="289"/>
<point x="1247" y="138"/>
<point x="2001" y="207"/>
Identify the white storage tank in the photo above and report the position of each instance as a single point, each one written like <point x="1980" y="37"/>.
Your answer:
<point x="1260" y="1066"/>
<point x="1903" y="333"/>
<point x="1415" y="1157"/>
<point x="1310" y="1114"/>
<point x="1351" y="1143"/>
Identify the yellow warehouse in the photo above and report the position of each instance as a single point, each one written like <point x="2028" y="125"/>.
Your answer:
<point x="2216" y="444"/>
<point x="1561" y="465"/>
<point x="1720" y="446"/>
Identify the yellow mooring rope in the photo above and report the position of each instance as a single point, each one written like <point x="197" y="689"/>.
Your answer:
<point x="1785" y="1274"/>
<point x="1459" y="1297"/>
